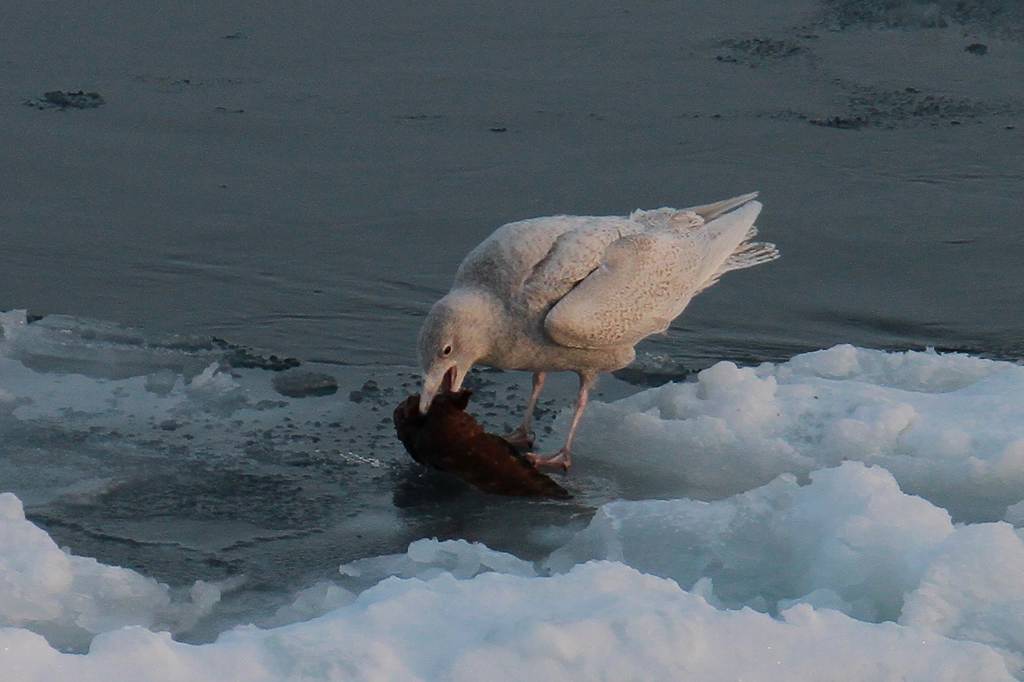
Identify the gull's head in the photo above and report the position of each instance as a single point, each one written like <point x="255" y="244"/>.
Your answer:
<point x="457" y="332"/>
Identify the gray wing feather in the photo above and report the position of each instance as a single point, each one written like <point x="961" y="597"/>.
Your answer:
<point x="607" y="281"/>
<point x="644" y="282"/>
<point x="540" y="259"/>
<point x="571" y="258"/>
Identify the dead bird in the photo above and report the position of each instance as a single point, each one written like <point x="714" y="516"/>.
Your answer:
<point x="450" y="439"/>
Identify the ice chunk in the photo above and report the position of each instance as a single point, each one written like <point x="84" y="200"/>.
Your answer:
<point x="601" y="621"/>
<point x="949" y="427"/>
<point x="484" y="610"/>
<point x="11" y="323"/>
<point x="849" y="541"/>
<point x="428" y="558"/>
<point x="927" y="372"/>
<point x="70" y="598"/>
<point x="467" y="559"/>
<point x="974" y="588"/>
<point x="1015" y="514"/>
<point x="313" y="601"/>
<point x="821" y="598"/>
<point x="216" y="391"/>
<point x="303" y="384"/>
<point x="212" y="381"/>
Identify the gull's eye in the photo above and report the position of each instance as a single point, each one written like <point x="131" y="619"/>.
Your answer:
<point x="447" y="350"/>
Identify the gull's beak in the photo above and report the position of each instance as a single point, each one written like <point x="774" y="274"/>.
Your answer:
<point x="433" y="384"/>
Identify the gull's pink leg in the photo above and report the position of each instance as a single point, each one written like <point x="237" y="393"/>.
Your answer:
<point x="522" y="437"/>
<point x="563" y="458"/>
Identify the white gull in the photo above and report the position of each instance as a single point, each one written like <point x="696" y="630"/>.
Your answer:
<point x="576" y="293"/>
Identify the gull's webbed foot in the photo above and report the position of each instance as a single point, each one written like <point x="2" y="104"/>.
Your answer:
<point x="560" y="460"/>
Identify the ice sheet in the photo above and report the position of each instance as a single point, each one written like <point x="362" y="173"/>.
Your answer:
<point x="850" y="540"/>
<point x="71" y="598"/>
<point x="166" y="456"/>
<point x="950" y="427"/>
<point x="601" y="621"/>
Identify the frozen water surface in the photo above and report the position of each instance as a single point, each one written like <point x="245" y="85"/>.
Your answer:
<point x="600" y="621"/>
<point x="179" y="458"/>
<point x="211" y="500"/>
<point x="950" y="427"/>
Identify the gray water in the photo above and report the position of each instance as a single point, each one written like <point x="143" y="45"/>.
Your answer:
<point x="304" y="181"/>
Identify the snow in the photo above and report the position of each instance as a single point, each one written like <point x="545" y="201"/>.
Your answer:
<point x="313" y="601"/>
<point x="684" y="584"/>
<point x="835" y="534"/>
<point x="849" y="514"/>
<point x="974" y="588"/>
<point x="427" y="558"/>
<point x="70" y="598"/>
<point x="600" y="621"/>
<point x="850" y="540"/>
<point x="950" y="427"/>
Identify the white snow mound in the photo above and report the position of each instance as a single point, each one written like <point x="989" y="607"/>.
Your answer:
<point x="70" y="598"/>
<point x="601" y="621"/>
<point x="851" y="540"/>
<point x="950" y="427"/>
<point x="428" y="558"/>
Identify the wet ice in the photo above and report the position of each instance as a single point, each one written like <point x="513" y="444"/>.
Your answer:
<point x="847" y="495"/>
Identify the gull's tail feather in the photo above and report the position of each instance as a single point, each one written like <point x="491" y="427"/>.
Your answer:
<point x="711" y="211"/>
<point x="748" y="255"/>
<point x="728" y="232"/>
<point x="731" y="248"/>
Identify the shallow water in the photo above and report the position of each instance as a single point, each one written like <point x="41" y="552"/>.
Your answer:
<point x="306" y="183"/>
<point x="181" y="459"/>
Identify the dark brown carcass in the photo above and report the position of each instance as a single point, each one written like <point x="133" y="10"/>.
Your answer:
<point x="450" y="439"/>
